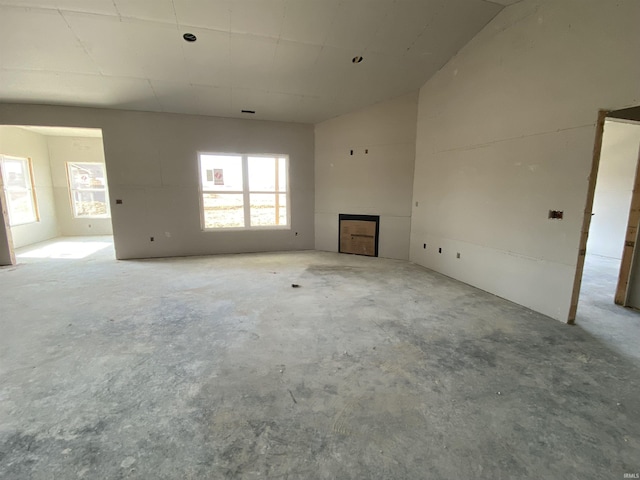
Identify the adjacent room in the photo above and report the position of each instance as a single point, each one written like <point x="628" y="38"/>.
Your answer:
<point x="55" y="186"/>
<point x="611" y="275"/>
<point x="319" y="239"/>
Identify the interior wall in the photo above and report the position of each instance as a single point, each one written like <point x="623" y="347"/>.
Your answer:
<point x="74" y="149"/>
<point x="614" y="186"/>
<point x="6" y="244"/>
<point x="375" y="183"/>
<point x="505" y="134"/>
<point x="22" y="143"/>
<point x="152" y="166"/>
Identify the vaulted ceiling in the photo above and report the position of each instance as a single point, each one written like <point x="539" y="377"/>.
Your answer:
<point x="288" y="60"/>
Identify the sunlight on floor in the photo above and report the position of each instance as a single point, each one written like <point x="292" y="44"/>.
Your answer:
<point x="65" y="249"/>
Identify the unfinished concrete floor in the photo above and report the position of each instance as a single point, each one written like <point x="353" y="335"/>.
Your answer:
<point x="215" y="367"/>
<point x="617" y="326"/>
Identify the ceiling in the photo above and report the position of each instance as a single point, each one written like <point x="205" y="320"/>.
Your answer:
<point x="288" y="60"/>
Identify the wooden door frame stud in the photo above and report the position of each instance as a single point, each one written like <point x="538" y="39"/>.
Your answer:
<point x="586" y="220"/>
<point x="629" y="243"/>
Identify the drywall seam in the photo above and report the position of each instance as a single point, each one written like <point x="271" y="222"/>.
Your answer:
<point x="509" y="139"/>
<point x="497" y="250"/>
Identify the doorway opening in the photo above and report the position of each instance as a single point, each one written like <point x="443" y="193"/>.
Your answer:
<point x="54" y="194"/>
<point x="605" y="273"/>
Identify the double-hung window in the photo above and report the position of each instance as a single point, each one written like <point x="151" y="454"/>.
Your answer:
<point x="17" y="181"/>
<point x="244" y="191"/>
<point x="88" y="189"/>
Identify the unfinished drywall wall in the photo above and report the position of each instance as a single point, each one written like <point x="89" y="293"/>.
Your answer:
<point x="505" y="134"/>
<point x="74" y="149"/>
<point x="616" y="173"/>
<point x="152" y="167"/>
<point x="376" y="180"/>
<point x="22" y="143"/>
<point x="7" y="256"/>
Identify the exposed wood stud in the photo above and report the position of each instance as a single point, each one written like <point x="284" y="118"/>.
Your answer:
<point x="586" y="222"/>
<point x="629" y="243"/>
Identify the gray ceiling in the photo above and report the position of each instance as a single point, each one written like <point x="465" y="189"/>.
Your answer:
<point x="288" y="60"/>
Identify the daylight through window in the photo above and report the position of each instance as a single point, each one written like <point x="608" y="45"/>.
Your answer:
<point x="88" y="190"/>
<point x="241" y="191"/>
<point x="19" y="190"/>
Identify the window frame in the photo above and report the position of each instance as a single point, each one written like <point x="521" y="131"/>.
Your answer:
<point x="71" y="189"/>
<point x="30" y="188"/>
<point x="245" y="192"/>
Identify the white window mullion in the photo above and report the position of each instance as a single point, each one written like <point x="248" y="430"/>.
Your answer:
<point x="245" y="187"/>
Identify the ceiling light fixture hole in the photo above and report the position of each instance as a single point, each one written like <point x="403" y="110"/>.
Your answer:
<point x="357" y="59"/>
<point x="189" y="37"/>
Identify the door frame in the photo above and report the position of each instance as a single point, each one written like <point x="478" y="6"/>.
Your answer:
<point x="586" y="220"/>
<point x="632" y="114"/>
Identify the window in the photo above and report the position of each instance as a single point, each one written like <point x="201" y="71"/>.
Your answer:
<point x="19" y="190"/>
<point x="242" y="191"/>
<point x="88" y="190"/>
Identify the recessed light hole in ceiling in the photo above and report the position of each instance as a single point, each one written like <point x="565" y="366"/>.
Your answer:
<point x="189" y="37"/>
<point x="357" y="59"/>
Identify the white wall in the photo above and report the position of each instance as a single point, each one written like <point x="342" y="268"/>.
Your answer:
<point x="506" y="132"/>
<point x="74" y="149"/>
<point x="151" y="161"/>
<point x="616" y="173"/>
<point x="22" y="143"/>
<point x="6" y="257"/>
<point x="375" y="183"/>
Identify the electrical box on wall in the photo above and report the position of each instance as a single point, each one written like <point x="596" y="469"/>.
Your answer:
<point x="556" y="214"/>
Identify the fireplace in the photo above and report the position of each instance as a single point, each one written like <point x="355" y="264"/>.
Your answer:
<point x="358" y="234"/>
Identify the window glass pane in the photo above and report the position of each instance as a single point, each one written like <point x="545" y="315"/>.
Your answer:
<point x="262" y="174"/>
<point x="19" y="190"/>
<point x="282" y="211"/>
<point x="90" y="203"/>
<point x="87" y="176"/>
<point x="15" y="174"/>
<point x="88" y="187"/>
<point x="223" y="210"/>
<point x="268" y="209"/>
<point x="20" y="207"/>
<point x="221" y="173"/>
